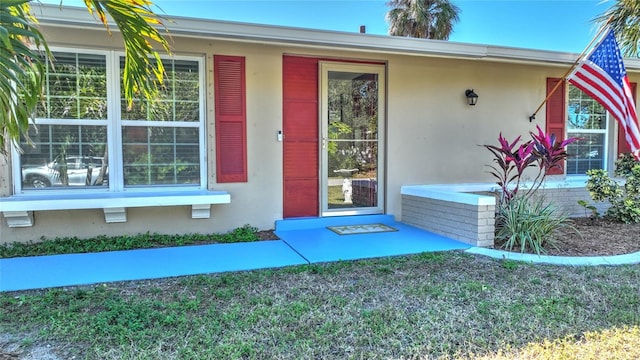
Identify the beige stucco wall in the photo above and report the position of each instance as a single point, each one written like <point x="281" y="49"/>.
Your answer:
<point x="258" y="202"/>
<point x="433" y="136"/>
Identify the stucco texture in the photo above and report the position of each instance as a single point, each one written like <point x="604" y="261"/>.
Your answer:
<point x="433" y="136"/>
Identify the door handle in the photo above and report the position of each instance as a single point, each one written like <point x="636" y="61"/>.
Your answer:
<point x="324" y="142"/>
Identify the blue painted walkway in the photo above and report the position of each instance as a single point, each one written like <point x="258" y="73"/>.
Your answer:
<point x="313" y="241"/>
<point x="303" y="241"/>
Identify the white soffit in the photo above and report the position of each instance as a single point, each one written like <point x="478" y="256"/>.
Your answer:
<point x="78" y="17"/>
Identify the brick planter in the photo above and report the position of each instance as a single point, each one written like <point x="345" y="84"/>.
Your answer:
<point x="466" y="212"/>
<point x="462" y="216"/>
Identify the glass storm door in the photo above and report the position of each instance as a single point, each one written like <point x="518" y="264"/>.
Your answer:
<point x="351" y="130"/>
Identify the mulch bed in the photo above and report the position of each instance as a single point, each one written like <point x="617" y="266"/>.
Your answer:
<point x="596" y="237"/>
<point x="267" y="235"/>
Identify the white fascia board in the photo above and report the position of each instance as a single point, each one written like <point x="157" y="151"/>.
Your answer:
<point x="327" y="39"/>
<point x="77" y="17"/>
<point x="632" y="65"/>
<point x="530" y="55"/>
<point x="545" y="56"/>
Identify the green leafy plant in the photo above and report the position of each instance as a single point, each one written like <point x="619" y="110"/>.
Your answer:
<point x="341" y="154"/>
<point x="624" y="199"/>
<point x="70" y="245"/>
<point x="244" y="233"/>
<point x="624" y="165"/>
<point x="588" y="207"/>
<point x="530" y="224"/>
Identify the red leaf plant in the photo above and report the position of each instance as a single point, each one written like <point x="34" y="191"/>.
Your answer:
<point x="511" y="160"/>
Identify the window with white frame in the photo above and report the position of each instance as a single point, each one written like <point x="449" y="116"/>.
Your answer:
<point x="86" y="137"/>
<point x="588" y="121"/>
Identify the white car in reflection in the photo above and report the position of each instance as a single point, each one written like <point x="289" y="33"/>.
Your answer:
<point x="81" y="171"/>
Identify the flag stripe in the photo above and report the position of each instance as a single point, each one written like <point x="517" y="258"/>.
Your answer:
<point x="600" y="91"/>
<point x="603" y="87"/>
<point x="603" y="77"/>
<point x="634" y="127"/>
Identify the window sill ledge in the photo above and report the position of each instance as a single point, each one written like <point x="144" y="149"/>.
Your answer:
<point x="18" y="209"/>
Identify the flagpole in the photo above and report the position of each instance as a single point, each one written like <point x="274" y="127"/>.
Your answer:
<point x="564" y="77"/>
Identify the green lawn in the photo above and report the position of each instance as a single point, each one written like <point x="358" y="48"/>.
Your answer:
<point x="425" y="306"/>
<point x="336" y="198"/>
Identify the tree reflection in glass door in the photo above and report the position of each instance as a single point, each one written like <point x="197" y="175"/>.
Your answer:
<point x="351" y="139"/>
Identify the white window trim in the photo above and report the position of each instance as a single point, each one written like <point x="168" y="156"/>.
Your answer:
<point x="609" y="134"/>
<point x="609" y="138"/>
<point x="114" y="200"/>
<point x="18" y="210"/>
<point x="114" y="124"/>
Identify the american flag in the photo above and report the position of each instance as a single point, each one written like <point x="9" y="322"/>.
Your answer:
<point x="602" y="75"/>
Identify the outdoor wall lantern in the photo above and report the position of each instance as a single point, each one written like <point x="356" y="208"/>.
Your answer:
<point x="472" y="97"/>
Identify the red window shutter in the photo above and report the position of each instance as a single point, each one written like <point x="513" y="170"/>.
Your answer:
<point x="623" y="146"/>
<point x="231" y="118"/>
<point x="301" y="144"/>
<point x="556" y="115"/>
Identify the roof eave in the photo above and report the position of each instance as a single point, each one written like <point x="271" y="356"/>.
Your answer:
<point x="77" y="17"/>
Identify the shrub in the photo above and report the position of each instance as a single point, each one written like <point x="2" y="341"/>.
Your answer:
<point x="529" y="224"/>
<point x="245" y="233"/>
<point x="594" y="213"/>
<point x="624" y="199"/>
<point x="624" y="165"/>
<point x="69" y="245"/>
<point x="523" y="221"/>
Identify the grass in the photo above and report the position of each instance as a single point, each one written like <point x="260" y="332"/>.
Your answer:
<point x="336" y="198"/>
<point x="70" y="245"/>
<point x="432" y="305"/>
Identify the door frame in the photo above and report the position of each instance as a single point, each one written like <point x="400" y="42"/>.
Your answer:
<point x="323" y="71"/>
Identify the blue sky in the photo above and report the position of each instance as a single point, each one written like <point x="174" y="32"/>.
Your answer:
<point x="559" y="25"/>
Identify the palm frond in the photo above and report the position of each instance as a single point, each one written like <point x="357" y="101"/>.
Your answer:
<point x="21" y="69"/>
<point x="138" y="24"/>
<point x="24" y="53"/>
<point x="624" y="18"/>
<point x="428" y="19"/>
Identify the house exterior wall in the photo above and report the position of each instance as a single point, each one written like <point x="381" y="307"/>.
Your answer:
<point x="257" y="202"/>
<point x="433" y="136"/>
<point x="446" y="135"/>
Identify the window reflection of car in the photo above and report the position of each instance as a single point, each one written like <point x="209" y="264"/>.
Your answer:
<point x="81" y="171"/>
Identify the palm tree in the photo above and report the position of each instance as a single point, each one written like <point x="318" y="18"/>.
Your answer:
<point x="624" y="18"/>
<point x="428" y="19"/>
<point x="22" y="47"/>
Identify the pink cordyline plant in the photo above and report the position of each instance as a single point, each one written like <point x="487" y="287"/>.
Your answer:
<point x="542" y="152"/>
